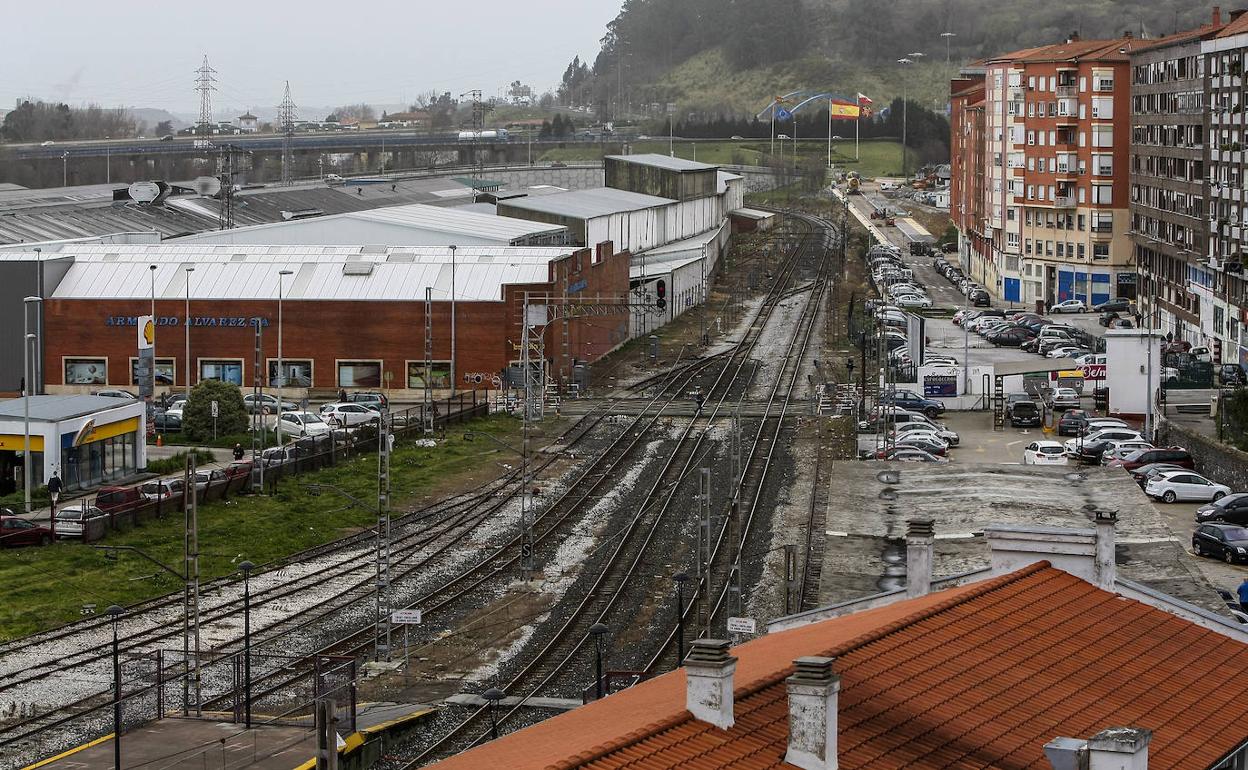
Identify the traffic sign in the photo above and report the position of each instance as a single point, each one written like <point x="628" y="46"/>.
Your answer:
<point x="405" y="617"/>
<point x="742" y="625"/>
<point x="216" y="410"/>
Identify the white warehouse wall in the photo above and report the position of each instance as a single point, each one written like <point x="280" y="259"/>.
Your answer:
<point x="1127" y="354"/>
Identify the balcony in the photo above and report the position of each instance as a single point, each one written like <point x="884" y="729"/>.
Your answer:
<point x="1069" y="142"/>
<point x="1064" y="202"/>
<point x="1066" y="92"/>
<point x="1102" y="228"/>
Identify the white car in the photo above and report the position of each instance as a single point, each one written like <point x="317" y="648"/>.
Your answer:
<point x="943" y="434"/>
<point x="72" y="519"/>
<point x="1120" y="449"/>
<point x="1107" y="434"/>
<point x="1044" y="453"/>
<point x="1069" y="306"/>
<point x="913" y="300"/>
<point x="1064" y="351"/>
<point x="1088" y="359"/>
<point x="348" y="415"/>
<point x="303" y="424"/>
<point x="1064" y="398"/>
<point x="1184" y="485"/>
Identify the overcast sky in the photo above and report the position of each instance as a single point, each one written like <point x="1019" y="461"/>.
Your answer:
<point x="144" y="54"/>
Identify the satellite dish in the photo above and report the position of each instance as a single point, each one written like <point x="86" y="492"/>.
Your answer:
<point x="144" y="192"/>
<point x="207" y="185"/>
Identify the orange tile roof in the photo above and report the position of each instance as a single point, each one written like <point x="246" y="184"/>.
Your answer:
<point x="1085" y="50"/>
<point x="973" y="677"/>
<point x="1236" y="26"/>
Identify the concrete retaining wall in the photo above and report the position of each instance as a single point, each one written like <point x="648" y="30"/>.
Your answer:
<point x="1219" y="462"/>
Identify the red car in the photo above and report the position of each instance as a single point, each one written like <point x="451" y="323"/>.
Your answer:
<point x="1172" y="455"/>
<point x="238" y="468"/>
<point x="16" y="531"/>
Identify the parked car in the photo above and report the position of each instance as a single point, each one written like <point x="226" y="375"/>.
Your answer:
<point x="348" y="415"/>
<point x="979" y="298"/>
<point x="912" y="401"/>
<point x="116" y="394"/>
<point x="1221" y="541"/>
<point x="1142" y="475"/>
<point x="944" y="434"/>
<point x="1063" y="398"/>
<point x="1025" y="414"/>
<point x="926" y="441"/>
<point x="303" y="424"/>
<point x="1184" y="485"/>
<point x="1118" y="450"/>
<point x="1107" y="319"/>
<point x="15" y="531"/>
<point x="369" y="397"/>
<point x="238" y="468"/>
<point x="212" y="476"/>
<point x="71" y="521"/>
<point x="1072" y="422"/>
<point x="1069" y="306"/>
<point x="1112" y="434"/>
<point x="914" y="300"/>
<point x="1231" y="509"/>
<point x="1011" y="338"/>
<point x="1044" y="453"/>
<point x="1232" y="376"/>
<point x="1171" y="455"/>
<point x="1116" y="305"/>
<point x="908" y="454"/>
<point x="118" y="499"/>
<point x="162" y="489"/>
<point x="266" y="404"/>
<point x="164" y="422"/>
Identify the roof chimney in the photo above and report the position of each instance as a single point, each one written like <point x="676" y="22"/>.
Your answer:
<point x="1119" y="748"/>
<point x="813" y="693"/>
<point x="1016" y="546"/>
<point x="1106" y="565"/>
<point x="708" y="682"/>
<point x="1235" y="14"/>
<point x="1217" y="15"/>
<point x="1074" y="37"/>
<point x="1126" y="33"/>
<point x="919" y="538"/>
<point x="1116" y="748"/>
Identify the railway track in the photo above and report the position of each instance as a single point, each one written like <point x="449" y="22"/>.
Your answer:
<point x="630" y="545"/>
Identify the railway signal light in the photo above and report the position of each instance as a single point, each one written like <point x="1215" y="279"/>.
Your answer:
<point x="660" y="291"/>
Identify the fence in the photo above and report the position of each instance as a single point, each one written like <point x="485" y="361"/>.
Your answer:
<point x="303" y="455"/>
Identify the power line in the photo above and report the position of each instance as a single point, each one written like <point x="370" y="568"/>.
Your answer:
<point x="286" y="117"/>
<point x="204" y="84"/>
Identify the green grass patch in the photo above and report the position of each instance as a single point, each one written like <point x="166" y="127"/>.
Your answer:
<point x="46" y="587"/>
<point x="177" y="461"/>
<point x="269" y="438"/>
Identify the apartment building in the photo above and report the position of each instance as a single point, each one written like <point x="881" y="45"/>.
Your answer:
<point x="967" y="171"/>
<point x="1169" y="187"/>
<point x="1217" y="287"/>
<point x="1055" y="192"/>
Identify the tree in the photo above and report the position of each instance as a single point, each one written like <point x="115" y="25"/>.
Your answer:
<point x="164" y="127"/>
<point x="197" y="414"/>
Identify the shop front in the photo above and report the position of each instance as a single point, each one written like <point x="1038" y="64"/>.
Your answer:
<point x="98" y="440"/>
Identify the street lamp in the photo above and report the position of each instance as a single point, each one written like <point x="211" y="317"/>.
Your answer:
<point x="906" y="60"/>
<point x="187" y="365"/>
<point x="281" y="372"/>
<point x="65" y="169"/>
<point x="946" y="36"/>
<point x="27" y="381"/>
<point x="453" y="372"/>
<point x="114" y="612"/>
<point x="152" y="270"/>
<point x="246" y="568"/>
<point x="598" y="630"/>
<point x="493" y="695"/>
<point x="681" y="578"/>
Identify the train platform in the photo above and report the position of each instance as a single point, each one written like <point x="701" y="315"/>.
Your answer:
<point x="198" y="744"/>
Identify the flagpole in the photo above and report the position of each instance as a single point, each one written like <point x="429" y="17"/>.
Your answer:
<point x="829" y="133"/>
<point x="773" y="127"/>
<point x="857" y="123"/>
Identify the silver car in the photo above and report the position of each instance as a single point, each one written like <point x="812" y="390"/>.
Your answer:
<point x="72" y="520"/>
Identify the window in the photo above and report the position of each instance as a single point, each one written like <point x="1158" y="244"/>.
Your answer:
<point x="440" y="374"/>
<point x="1102" y="193"/>
<point x="297" y="373"/>
<point x="1100" y="251"/>
<point x="86" y="371"/>
<point x="226" y="370"/>
<point x="165" y="367"/>
<point x="359" y="374"/>
<point x="1031" y="137"/>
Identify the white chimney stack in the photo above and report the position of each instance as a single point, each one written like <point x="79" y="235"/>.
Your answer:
<point x="919" y="538"/>
<point x="709" y="671"/>
<point x="1117" y="748"/>
<point x="1106" y="564"/>
<point x="813" y="694"/>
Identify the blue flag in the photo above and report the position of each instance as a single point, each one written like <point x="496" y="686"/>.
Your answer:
<point x="783" y="114"/>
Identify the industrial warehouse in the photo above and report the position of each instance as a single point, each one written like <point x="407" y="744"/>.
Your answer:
<point x="406" y="298"/>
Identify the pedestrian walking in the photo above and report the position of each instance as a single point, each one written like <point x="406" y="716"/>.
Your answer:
<point x="342" y="395"/>
<point x="238" y="451"/>
<point x="1243" y="595"/>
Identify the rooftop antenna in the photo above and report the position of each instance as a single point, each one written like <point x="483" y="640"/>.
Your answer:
<point x="286" y="116"/>
<point x="204" y="85"/>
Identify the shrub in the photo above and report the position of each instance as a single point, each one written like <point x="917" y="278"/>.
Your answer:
<point x="197" y="414"/>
